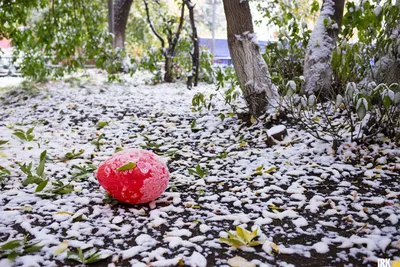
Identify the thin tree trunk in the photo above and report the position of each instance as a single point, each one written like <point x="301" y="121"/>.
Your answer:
<point x="250" y="67"/>
<point x="317" y="65"/>
<point x="121" y="13"/>
<point x="110" y="16"/>
<point x="387" y="68"/>
<point x="173" y="39"/>
<point x="196" y="51"/>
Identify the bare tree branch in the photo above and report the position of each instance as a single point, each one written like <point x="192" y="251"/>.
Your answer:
<point x="153" y="29"/>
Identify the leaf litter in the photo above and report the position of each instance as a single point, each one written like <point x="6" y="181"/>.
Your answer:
<point x="300" y="201"/>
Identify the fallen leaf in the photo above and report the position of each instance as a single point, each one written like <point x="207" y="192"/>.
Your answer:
<point x="61" y="248"/>
<point x="240" y="262"/>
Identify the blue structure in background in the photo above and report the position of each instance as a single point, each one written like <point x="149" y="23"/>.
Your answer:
<point x="221" y="49"/>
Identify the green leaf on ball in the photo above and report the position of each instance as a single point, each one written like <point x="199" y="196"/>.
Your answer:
<point x="126" y="167"/>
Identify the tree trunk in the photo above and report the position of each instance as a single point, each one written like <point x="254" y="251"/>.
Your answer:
<point x="250" y="67"/>
<point x="173" y="39"/>
<point x="196" y="51"/>
<point x="169" y="70"/>
<point x="317" y="65"/>
<point x="387" y="68"/>
<point x="121" y="13"/>
<point x="110" y="16"/>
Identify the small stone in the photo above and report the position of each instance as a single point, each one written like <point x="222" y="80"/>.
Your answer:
<point x="276" y="134"/>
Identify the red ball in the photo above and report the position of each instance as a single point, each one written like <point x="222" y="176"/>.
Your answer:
<point x="134" y="176"/>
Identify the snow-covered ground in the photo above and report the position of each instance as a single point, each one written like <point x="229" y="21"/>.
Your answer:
<point x="314" y="207"/>
<point x="10" y="81"/>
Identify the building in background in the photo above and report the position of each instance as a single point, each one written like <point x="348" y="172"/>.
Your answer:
<point x="221" y="49"/>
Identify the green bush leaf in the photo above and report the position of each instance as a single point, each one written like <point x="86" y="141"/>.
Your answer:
<point x="13" y="255"/>
<point x="11" y="245"/>
<point x="41" y="186"/>
<point x="362" y="108"/>
<point x="40" y="168"/>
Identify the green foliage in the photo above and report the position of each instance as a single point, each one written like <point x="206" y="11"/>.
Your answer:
<point x="194" y="127"/>
<point x="358" y="113"/>
<point x="3" y="142"/>
<point x="61" y="36"/>
<point x="151" y="145"/>
<point x="242" y="237"/>
<point x="83" y="171"/>
<point x="98" y="143"/>
<point x="25" y="136"/>
<point x="223" y="155"/>
<point x="151" y="59"/>
<point x="198" y="171"/>
<point x="375" y="24"/>
<point x="260" y="170"/>
<point x="38" y="176"/>
<point x="16" y="13"/>
<point x="285" y="58"/>
<point x="18" y="247"/>
<point x="226" y="79"/>
<point x="199" y="101"/>
<point x="4" y="174"/>
<point x="57" y="188"/>
<point x="101" y="124"/>
<point x="207" y="71"/>
<point x="73" y="155"/>
<point x="374" y="20"/>
<point x="152" y="62"/>
<point x="348" y="64"/>
<point x="88" y="256"/>
<point x="227" y="87"/>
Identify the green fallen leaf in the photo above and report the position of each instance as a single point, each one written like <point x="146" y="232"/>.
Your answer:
<point x="41" y="186"/>
<point x="127" y="166"/>
<point x="11" y="245"/>
<point x="101" y="124"/>
<point x="3" y="142"/>
<point x="242" y="237"/>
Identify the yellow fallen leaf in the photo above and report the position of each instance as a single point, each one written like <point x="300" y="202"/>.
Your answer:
<point x="2" y="155"/>
<point x="240" y="262"/>
<point x="61" y="248"/>
<point x="65" y="213"/>
<point x="275" y="248"/>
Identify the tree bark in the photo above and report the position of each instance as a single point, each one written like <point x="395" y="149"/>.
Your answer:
<point x="121" y="13"/>
<point x="110" y="16"/>
<point x="249" y="65"/>
<point x="172" y="39"/>
<point x="387" y="68"/>
<point x="196" y="50"/>
<point x="317" y="65"/>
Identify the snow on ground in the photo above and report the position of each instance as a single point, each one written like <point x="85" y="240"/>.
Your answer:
<point x="9" y="81"/>
<point x="318" y="208"/>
